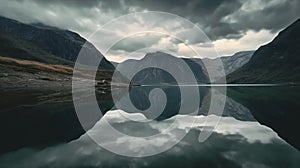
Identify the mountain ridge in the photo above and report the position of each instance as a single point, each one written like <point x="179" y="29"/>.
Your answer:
<point x="230" y="63"/>
<point x="44" y="43"/>
<point x="275" y="62"/>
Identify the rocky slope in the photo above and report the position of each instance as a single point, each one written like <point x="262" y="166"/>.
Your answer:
<point x="198" y="66"/>
<point x="276" y="62"/>
<point x="159" y="76"/>
<point x="43" y="43"/>
<point x="230" y="63"/>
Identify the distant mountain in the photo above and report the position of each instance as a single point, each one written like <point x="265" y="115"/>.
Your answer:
<point x="157" y="76"/>
<point x="230" y="63"/>
<point x="43" y="43"/>
<point x="236" y="61"/>
<point x="161" y="76"/>
<point x="276" y="62"/>
<point x="198" y="66"/>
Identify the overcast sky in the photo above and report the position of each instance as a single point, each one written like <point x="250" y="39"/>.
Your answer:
<point x="231" y="25"/>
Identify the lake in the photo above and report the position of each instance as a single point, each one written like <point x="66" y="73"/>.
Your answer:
<point x="41" y="129"/>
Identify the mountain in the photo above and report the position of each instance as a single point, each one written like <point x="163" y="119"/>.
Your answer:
<point x="158" y="76"/>
<point x="155" y="76"/>
<point x="36" y="84"/>
<point x="230" y="63"/>
<point x="43" y="43"/>
<point x="276" y="62"/>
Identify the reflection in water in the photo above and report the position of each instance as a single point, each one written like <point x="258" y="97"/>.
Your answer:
<point x="51" y="119"/>
<point x="277" y="107"/>
<point x="40" y="118"/>
<point x="140" y="98"/>
<point x="233" y="144"/>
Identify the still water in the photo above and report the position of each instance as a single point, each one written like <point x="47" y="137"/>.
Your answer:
<point x="44" y="130"/>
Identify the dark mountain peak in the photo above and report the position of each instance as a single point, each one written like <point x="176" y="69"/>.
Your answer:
<point x="294" y="27"/>
<point x="43" y="26"/>
<point x="154" y="74"/>
<point x="10" y="22"/>
<point x="157" y="54"/>
<point x="283" y="49"/>
<point x="277" y="61"/>
<point x="291" y="33"/>
<point x="43" y="43"/>
<point x="5" y="19"/>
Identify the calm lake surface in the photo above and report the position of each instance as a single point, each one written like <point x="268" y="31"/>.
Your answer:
<point x="42" y="130"/>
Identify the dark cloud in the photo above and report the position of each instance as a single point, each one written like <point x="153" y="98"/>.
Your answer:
<point x="72" y="3"/>
<point x="219" y="18"/>
<point x="134" y="43"/>
<point x="210" y="15"/>
<point x="272" y="17"/>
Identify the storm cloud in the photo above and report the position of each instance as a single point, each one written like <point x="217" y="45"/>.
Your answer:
<point x="219" y="19"/>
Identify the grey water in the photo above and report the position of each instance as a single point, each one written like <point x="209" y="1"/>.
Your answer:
<point x="258" y="128"/>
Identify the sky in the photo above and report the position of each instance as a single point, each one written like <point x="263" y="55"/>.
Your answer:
<point x="230" y="25"/>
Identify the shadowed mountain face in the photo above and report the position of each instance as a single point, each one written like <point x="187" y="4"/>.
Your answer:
<point x="43" y="43"/>
<point x="151" y="78"/>
<point x="197" y="66"/>
<point x="33" y="72"/>
<point x="167" y="73"/>
<point x="275" y="62"/>
<point x="157" y="75"/>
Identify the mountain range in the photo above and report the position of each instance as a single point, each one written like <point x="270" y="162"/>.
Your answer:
<point x="51" y="45"/>
<point x="46" y="44"/>
<point x="156" y="75"/>
<point x="198" y="66"/>
<point x="275" y="62"/>
<point x="272" y="63"/>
